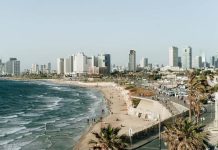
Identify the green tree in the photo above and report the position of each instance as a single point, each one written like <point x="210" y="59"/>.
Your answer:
<point x="197" y="92"/>
<point x="185" y="135"/>
<point x="108" y="138"/>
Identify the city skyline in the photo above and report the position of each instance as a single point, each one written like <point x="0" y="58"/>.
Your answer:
<point x="41" y="31"/>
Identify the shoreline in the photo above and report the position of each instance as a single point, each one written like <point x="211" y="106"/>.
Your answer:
<point x="119" y="104"/>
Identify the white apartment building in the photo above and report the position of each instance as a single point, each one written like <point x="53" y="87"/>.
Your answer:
<point x="173" y="56"/>
<point x="13" y="67"/>
<point x="187" y="58"/>
<point x="68" y="65"/>
<point x="198" y="62"/>
<point x="60" y="66"/>
<point x="104" y="63"/>
<point x="144" y="62"/>
<point x="80" y="63"/>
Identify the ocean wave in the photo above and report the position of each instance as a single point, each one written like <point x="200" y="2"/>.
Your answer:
<point x="28" y="133"/>
<point x="9" y="117"/>
<point x="4" y="121"/>
<point x="4" y="142"/>
<point x="61" y="125"/>
<point x="12" y="130"/>
<point x="77" y="106"/>
<point x="71" y="119"/>
<point x="80" y="119"/>
<point x="41" y="128"/>
<point x="52" y="102"/>
<point x="20" y="113"/>
<point x="18" y="121"/>
<point x="31" y="115"/>
<point x="44" y="122"/>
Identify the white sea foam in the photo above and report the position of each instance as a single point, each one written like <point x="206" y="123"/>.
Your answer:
<point x="48" y="121"/>
<point x="4" y="121"/>
<point x="21" y="144"/>
<point x="52" y="102"/>
<point x="18" y="121"/>
<point x="11" y="146"/>
<point x="56" y="88"/>
<point x="20" y="113"/>
<point x="7" y="131"/>
<point x="19" y="137"/>
<point x="61" y="125"/>
<point x="40" y="96"/>
<point x="29" y="133"/>
<point x="72" y="119"/>
<point x="4" y="142"/>
<point x="31" y="115"/>
<point x="80" y="118"/>
<point x="9" y="117"/>
<point x="36" y="129"/>
<point x="76" y="100"/>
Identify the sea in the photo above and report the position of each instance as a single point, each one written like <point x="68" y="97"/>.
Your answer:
<point x="39" y="115"/>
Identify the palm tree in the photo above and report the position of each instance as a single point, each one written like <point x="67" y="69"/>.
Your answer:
<point x="108" y="138"/>
<point x="185" y="135"/>
<point x="197" y="93"/>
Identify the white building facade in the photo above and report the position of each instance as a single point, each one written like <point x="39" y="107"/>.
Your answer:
<point x="80" y="65"/>
<point x="198" y="62"/>
<point x="13" y="67"/>
<point x="60" y="66"/>
<point x="187" y="58"/>
<point x="144" y="62"/>
<point x="173" y="56"/>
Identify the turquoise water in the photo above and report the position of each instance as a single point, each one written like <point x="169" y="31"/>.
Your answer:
<point x="40" y="115"/>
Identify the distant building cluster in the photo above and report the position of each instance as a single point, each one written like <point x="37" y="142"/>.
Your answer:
<point x="40" y="69"/>
<point x="187" y="61"/>
<point x="118" y="68"/>
<point x="10" y="68"/>
<point x="80" y="64"/>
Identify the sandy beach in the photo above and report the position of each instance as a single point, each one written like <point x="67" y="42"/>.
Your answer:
<point x="119" y="102"/>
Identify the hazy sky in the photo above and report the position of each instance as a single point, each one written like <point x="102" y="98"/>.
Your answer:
<point x="38" y="31"/>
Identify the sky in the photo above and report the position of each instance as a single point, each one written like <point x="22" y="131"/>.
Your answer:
<point x="40" y="31"/>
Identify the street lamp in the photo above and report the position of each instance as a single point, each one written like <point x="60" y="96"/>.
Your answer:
<point x="130" y="136"/>
<point x="159" y="119"/>
<point x="211" y="111"/>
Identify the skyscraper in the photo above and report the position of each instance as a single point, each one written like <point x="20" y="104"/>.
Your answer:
<point x="180" y="62"/>
<point x="13" y="67"/>
<point x="66" y="66"/>
<point x="80" y="63"/>
<point x="60" y="66"/>
<point x="144" y="62"/>
<point x="198" y="62"/>
<point x="173" y="56"/>
<point x="104" y="63"/>
<point x="187" y="58"/>
<point x="212" y="61"/>
<point x="132" y="61"/>
<point x="2" y="68"/>
<point x="49" y="67"/>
